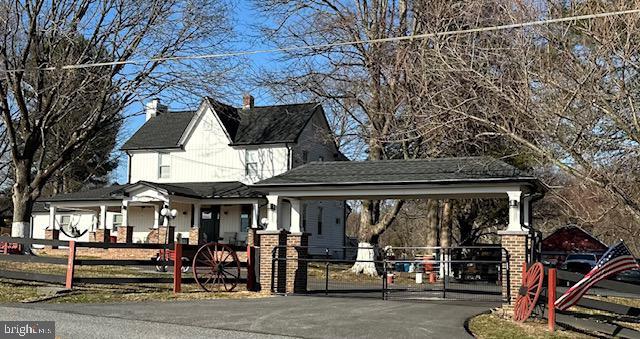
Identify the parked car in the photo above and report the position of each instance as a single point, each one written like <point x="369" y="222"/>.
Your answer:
<point x="580" y="262"/>
<point x="630" y="277"/>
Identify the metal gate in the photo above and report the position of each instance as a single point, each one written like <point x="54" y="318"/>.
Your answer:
<point x="472" y="273"/>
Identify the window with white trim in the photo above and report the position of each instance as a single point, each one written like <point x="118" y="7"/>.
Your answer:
<point x="117" y="220"/>
<point x="251" y="158"/>
<point x="65" y="221"/>
<point x="164" y="165"/>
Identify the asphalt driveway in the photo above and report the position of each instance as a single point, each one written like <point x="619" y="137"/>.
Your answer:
<point x="296" y="316"/>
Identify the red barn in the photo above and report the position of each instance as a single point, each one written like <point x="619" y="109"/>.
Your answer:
<point x="570" y="239"/>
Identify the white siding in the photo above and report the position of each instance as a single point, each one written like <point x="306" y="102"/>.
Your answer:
<point x="316" y="141"/>
<point x="207" y="156"/>
<point x="82" y="220"/>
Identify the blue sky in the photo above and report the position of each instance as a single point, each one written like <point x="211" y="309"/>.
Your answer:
<point x="244" y="17"/>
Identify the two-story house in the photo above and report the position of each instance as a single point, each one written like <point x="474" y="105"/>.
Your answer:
<point x="202" y="164"/>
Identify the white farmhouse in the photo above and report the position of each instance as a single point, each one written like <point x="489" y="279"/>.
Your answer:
<point x="203" y="163"/>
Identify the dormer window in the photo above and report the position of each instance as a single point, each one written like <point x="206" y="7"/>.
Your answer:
<point x="164" y="165"/>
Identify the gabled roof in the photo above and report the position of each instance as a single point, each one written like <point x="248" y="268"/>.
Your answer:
<point x="273" y="124"/>
<point x="201" y="190"/>
<point x="572" y="238"/>
<point x="258" y="125"/>
<point x="161" y="132"/>
<point x="198" y="190"/>
<point x="439" y="170"/>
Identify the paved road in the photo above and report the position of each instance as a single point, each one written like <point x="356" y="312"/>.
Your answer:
<point x="74" y="325"/>
<point x="312" y="317"/>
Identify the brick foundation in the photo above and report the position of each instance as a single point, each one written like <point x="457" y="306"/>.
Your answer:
<point x="194" y="236"/>
<point x="159" y="235"/>
<point x="100" y="235"/>
<point x="51" y="234"/>
<point x="290" y="274"/>
<point x="125" y="234"/>
<point x="515" y="242"/>
<point x="268" y="241"/>
<point x="297" y="247"/>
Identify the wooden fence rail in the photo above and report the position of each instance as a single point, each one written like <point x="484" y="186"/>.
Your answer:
<point x="584" y="323"/>
<point x="69" y="279"/>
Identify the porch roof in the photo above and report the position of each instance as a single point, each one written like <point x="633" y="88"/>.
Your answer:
<point x="198" y="190"/>
<point x="464" y="177"/>
<point x="438" y="170"/>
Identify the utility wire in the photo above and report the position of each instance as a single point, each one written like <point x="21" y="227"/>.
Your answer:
<point x="337" y="44"/>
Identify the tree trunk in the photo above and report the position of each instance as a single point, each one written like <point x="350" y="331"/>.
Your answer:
<point x="22" y="202"/>
<point x="367" y="240"/>
<point x="432" y="223"/>
<point x="445" y="238"/>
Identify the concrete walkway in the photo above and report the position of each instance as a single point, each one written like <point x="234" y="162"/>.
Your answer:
<point x="297" y="316"/>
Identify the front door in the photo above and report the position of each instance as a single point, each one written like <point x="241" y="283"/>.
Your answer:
<point x="210" y="224"/>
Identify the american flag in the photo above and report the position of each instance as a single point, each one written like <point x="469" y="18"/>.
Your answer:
<point x="617" y="259"/>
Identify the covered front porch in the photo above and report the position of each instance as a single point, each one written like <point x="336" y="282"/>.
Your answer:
<point x="133" y="213"/>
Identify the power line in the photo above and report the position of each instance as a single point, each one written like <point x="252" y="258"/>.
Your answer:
<point x="338" y="44"/>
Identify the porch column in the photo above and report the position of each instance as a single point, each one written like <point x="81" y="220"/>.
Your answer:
<point x="125" y="213"/>
<point x="255" y="215"/>
<point x="526" y="207"/>
<point x="296" y="213"/>
<point x="103" y="217"/>
<point x="272" y="212"/>
<point x="52" y="217"/>
<point x="156" y="216"/>
<point x="196" y="215"/>
<point x="515" y="207"/>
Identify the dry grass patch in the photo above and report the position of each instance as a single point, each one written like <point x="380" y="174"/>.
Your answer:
<point x="495" y="326"/>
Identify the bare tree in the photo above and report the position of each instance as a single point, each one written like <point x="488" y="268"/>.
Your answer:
<point x="37" y="35"/>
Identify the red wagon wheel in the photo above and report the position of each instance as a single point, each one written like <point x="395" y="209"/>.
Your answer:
<point x="528" y="293"/>
<point x="216" y="267"/>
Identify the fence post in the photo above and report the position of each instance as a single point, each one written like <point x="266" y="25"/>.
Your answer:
<point x="551" y="287"/>
<point x="326" y="272"/>
<point x="177" y="268"/>
<point x="251" y="277"/>
<point x="71" y="260"/>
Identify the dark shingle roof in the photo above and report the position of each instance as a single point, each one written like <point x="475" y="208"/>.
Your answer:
<point x="226" y="189"/>
<point x="273" y="124"/>
<point x="258" y="125"/>
<point x="440" y="170"/>
<point x="162" y="131"/>
<point x="103" y="193"/>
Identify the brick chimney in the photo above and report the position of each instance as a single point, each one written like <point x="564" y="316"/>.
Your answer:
<point x="154" y="108"/>
<point x="247" y="101"/>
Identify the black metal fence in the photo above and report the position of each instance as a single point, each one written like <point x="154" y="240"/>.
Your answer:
<point x="422" y="273"/>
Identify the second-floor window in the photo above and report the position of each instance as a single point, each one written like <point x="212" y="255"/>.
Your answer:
<point x="251" y="163"/>
<point x="164" y="165"/>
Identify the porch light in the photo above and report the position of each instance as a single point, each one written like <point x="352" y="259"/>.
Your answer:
<point x="264" y="222"/>
<point x="165" y="212"/>
<point x="513" y="203"/>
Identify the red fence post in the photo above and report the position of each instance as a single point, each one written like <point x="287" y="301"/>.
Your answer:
<point x="250" y="270"/>
<point x="71" y="261"/>
<point x="177" y="268"/>
<point x="551" y="286"/>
